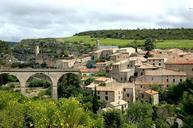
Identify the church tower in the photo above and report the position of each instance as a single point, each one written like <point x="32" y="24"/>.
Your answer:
<point x="37" y="50"/>
<point x="97" y="44"/>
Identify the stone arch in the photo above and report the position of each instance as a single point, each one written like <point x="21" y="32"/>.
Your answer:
<point x="38" y="76"/>
<point x="12" y="75"/>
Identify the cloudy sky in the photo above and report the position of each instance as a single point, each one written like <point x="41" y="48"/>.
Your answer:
<point x="21" y="19"/>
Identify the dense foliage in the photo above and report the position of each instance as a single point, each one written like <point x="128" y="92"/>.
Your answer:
<point x="181" y="97"/>
<point x="65" y="113"/>
<point x="141" y="34"/>
<point x="69" y="85"/>
<point x="5" y="78"/>
<point x="4" y="47"/>
<point x="39" y="83"/>
<point x="113" y="119"/>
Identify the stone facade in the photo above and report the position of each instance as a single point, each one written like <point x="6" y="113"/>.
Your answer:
<point x="150" y="96"/>
<point x="155" y="61"/>
<point x="65" y="64"/>
<point x="116" y="57"/>
<point x="101" y="66"/>
<point x="186" y="67"/>
<point x="161" y="77"/>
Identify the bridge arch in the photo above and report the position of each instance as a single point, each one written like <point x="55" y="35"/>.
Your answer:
<point x="14" y="78"/>
<point x="38" y="82"/>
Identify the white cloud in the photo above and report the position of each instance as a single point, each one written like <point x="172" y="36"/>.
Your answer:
<point x="58" y="18"/>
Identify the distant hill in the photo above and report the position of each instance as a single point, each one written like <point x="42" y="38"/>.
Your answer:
<point x="141" y="34"/>
<point x="11" y="43"/>
<point x="165" y="38"/>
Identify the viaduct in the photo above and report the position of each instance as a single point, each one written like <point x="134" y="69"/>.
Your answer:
<point x="54" y="74"/>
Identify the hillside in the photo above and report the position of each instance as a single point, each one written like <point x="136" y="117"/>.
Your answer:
<point x="165" y="38"/>
<point x="140" y="34"/>
<point x="175" y="43"/>
<point x="182" y="44"/>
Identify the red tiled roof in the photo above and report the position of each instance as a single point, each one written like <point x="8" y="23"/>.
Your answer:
<point x="89" y="70"/>
<point x="180" y="62"/>
<point x="151" y="92"/>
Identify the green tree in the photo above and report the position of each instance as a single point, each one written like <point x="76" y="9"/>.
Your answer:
<point x="149" y="44"/>
<point x="95" y="103"/>
<point x="140" y="114"/>
<point x="186" y="110"/>
<point x="69" y="86"/>
<point x="12" y="109"/>
<point x="89" y="81"/>
<point x="113" y="119"/>
<point x="175" y="92"/>
<point x="135" y="44"/>
<point x="39" y="83"/>
<point x="19" y="111"/>
<point x="91" y="64"/>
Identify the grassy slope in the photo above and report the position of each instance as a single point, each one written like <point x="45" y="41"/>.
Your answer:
<point x="120" y="42"/>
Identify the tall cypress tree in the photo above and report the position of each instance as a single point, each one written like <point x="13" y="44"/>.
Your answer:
<point x="95" y="104"/>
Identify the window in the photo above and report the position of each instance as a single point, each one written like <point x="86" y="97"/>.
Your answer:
<point x="152" y="78"/>
<point x="153" y="63"/>
<point x="159" y="64"/>
<point x="141" y="86"/>
<point x="99" y="97"/>
<point x="167" y="85"/>
<point x="167" y="80"/>
<point x="127" y="94"/>
<point x="106" y="97"/>
<point x="98" y="92"/>
<point x="106" y="93"/>
<point x="124" y="89"/>
<point x="173" y="80"/>
<point x="192" y="69"/>
<point x="142" y="96"/>
<point x="180" y="80"/>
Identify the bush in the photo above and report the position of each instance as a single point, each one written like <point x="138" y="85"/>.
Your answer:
<point x="39" y="83"/>
<point x="113" y="119"/>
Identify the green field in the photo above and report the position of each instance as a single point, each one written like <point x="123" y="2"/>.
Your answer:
<point x="187" y="44"/>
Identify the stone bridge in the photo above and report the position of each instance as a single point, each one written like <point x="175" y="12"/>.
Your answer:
<point x="54" y="74"/>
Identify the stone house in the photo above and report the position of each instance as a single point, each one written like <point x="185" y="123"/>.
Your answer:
<point x="64" y="64"/>
<point x="103" y="53"/>
<point x="116" y="95"/>
<point x="181" y="65"/>
<point x="156" y="61"/>
<point x="129" y="50"/>
<point x="128" y="92"/>
<point x="116" y="57"/>
<point x="109" y="93"/>
<point x="161" y="77"/>
<point x="101" y="66"/>
<point x="87" y="72"/>
<point x="150" y="96"/>
<point x="121" y="72"/>
<point x="140" y="69"/>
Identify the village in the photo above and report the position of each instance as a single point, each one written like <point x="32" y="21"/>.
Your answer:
<point x="125" y="75"/>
